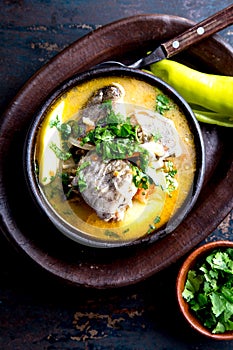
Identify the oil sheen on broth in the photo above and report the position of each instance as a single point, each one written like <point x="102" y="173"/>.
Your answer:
<point x="140" y="218"/>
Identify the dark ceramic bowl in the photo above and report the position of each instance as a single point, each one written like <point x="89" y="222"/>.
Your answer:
<point x="77" y="234"/>
<point x="188" y="264"/>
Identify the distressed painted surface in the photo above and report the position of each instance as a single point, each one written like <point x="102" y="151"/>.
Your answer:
<point x="35" y="311"/>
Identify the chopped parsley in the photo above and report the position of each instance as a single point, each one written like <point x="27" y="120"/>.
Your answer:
<point x="116" y="149"/>
<point x="170" y="173"/>
<point x="111" y="116"/>
<point x="82" y="166"/>
<point x="60" y="154"/>
<point x="140" y="179"/>
<point x="157" y="137"/>
<point x="82" y="185"/>
<point x="55" y="122"/>
<point x="157" y="219"/>
<point x="111" y="132"/>
<point x="111" y="234"/>
<point x="64" y="128"/>
<point x="152" y="227"/>
<point x="117" y="140"/>
<point x="162" y="104"/>
<point x="209" y="290"/>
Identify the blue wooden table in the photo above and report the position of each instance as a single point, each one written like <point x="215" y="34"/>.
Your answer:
<point x="35" y="311"/>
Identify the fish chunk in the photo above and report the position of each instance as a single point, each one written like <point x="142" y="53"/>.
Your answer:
<point x="109" y="187"/>
<point x="95" y="110"/>
<point x="154" y="123"/>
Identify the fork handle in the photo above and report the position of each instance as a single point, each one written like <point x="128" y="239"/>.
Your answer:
<point x="193" y="35"/>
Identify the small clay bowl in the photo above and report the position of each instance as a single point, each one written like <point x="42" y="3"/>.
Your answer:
<point x="189" y="264"/>
<point x="77" y="234"/>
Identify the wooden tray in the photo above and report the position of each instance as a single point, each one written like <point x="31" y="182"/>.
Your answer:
<point x="34" y="235"/>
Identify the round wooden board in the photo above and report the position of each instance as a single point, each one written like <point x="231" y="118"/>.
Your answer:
<point x="33" y="234"/>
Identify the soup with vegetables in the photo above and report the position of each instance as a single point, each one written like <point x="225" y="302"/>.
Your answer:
<point x="115" y="158"/>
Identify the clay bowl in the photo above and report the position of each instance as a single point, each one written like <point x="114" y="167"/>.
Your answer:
<point x="188" y="264"/>
<point x="78" y="233"/>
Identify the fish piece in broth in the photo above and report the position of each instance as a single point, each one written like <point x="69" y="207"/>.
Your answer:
<point x="96" y="109"/>
<point x="107" y="186"/>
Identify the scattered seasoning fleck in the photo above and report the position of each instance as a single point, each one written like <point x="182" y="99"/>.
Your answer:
<point x="126" y="230"/>
<point x="111" y="234"/>
<point x="157" y="219"/>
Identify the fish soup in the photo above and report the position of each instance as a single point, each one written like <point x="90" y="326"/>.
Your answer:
<point x="115" y="159"/>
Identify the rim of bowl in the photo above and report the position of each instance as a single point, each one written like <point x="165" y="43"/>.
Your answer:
<point x="181" y="278"/>
<point x="32" y="181"/>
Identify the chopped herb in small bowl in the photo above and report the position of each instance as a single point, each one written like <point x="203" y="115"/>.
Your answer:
<point x="205" y="289"/>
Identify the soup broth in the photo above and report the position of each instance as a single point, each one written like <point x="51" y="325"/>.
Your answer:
<point x="142" y="217"/>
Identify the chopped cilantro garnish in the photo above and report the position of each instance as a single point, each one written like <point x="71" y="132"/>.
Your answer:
<point x="111" y="234"/>
<point x="65" y="131"/>
<point x="110" y="132"/>
<point x="157" y="137"/>
<point x="157" y="219"/>
<point x="162" y="104"/>
<point x="111" y="116"/>
<point x="116" y="141"/>
<point x="82" y="185"/>
<point x="144" y="157"/>
<point x="140" y="179"/>
<point x="82" y="166"/>
<point x="209" y="290"/>
<point x="64" y="128"/>
<point x="76" y="129"/>
<point x="55" y="123"/>
<point x="59" y="153"/>
<point x="64" y="178"/>
<point x="115" y="149"/>
<point x="170" y="173"/>
<point x="126" y="230"/>
<point x="152" y="227"/>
